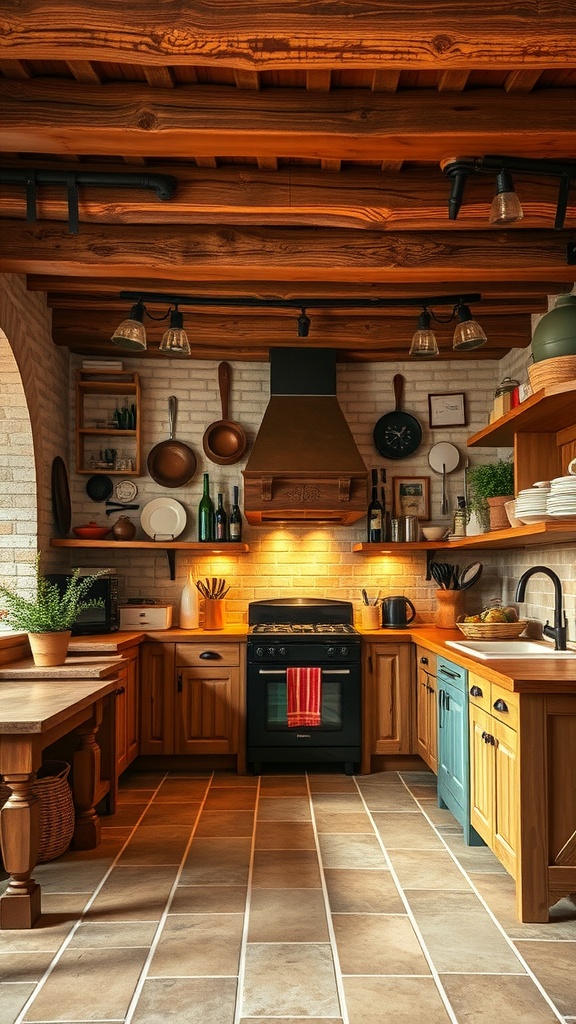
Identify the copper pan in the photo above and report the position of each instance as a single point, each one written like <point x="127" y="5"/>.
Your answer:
<point x="171" y="463"/>
<point x="224" y="441"/>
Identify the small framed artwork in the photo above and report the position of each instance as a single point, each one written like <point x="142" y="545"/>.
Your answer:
<point x="447" y="409"/>
<point x="411" y="496"/>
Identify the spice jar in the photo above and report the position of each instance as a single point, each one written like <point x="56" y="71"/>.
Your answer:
<point x="123" y="529"/>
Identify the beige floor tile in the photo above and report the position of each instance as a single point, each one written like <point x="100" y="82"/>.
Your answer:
<point x="401" y="831"/>
<point x="423" y="791"/>
<point x="277" y="785"/>
<point x="426" y="778"/>
<point x="74" y="872"/>
<point x="48" y="934"/>
<point x="554" y="964"/>
<point x="439" y="816"/>
<point x="286" y="869"/>
<point x="198" y="945"/>
<point x="379" y="779"/>
<point x="182" y="789"/>
<point x="133" y="894"/>
<point x="177" y="814"/>
<point x="126" y="814"/>
<point x="346" y="851"/>
<point x="209" y="899"/>
<point x="285" y="808"/>
<point x="378" y="944"/>
<point x="284" y="979"/>
<point x="327" y="821"/>
<point x="499" y="892"/>
<point x="356" y="891"/>
<point x="231" y="799"/>
<point x="12" y="999"/>
<point x="291" y="1020"/>
<point x="390" y="798"/>
<point x="337" y="803"/>
<point x="397" y="1000"/>
<point x="64" y="904"/>
<point x="460" y="934"/>
<point x="287" y="915"/>
<point x="225" y="823"/>
<point x="140" y="780"/>
<point x="95" y="934"/>
<point x="473" y="858"/>
<point x="217" y="862"/>
<point x="156" y="844"/>
<point x="331" y="784"/>
<point x="24" y="967"/>
<point x="518" y="1000"/>
<point x="285" y="835"/>
<point x="190" y="1000"/>
<point x="230" y="778"/>
<point x="427" y="869"/>
<point x="89" y="985"/>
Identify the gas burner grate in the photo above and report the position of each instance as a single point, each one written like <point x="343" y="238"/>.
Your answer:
<point x="302" y="627"/>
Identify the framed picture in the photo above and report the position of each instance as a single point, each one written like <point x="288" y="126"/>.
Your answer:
<point x="411" y="496"/>
<point x="447" y="409"/>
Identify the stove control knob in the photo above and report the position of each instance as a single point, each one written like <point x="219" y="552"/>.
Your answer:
<point x="331" y="652"/>
<point x="344" y="652"/>
<point x="259" y="652"/>
<point x="271" y="651"/>
<point x="282" y="652"/>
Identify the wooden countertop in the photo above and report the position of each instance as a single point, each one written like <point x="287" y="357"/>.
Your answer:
<point x="40" y="706"/>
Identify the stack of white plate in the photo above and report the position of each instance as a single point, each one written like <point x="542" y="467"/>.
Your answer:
<point x="561" y="502"/>
<point x="531" y="505"/>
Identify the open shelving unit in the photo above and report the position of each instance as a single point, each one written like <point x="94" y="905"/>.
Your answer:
<point x="96" y="386"/>
<point x="170" y="547"/>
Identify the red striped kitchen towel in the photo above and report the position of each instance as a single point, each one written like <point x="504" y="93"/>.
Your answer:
<point x="304" y="687"/>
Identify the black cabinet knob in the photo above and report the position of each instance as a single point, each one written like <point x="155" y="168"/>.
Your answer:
<point x="500" y="705"/>
<point x="209" y="655"/>
<point x="120" y="691"/>
<point x="423" y="661"/>
<point x="475" y="691"/>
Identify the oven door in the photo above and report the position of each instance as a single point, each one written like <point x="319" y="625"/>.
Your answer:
<point x="271" y="738"/>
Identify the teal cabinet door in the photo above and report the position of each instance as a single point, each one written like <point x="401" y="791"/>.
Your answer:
<point x="453" y="746"/>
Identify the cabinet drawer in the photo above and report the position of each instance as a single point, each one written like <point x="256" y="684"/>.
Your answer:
<point x="479" y="691"/>
<point x="208" y="654"/>
<point x="448" y="672"/>
<point x="507" y="710"/>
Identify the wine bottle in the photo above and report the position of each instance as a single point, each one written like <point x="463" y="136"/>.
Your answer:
<point x="385" y="512"/>
<point x="220" y="521"/>
<point x="235" y="525"/>
<point x="375" y="513"/>
<point x="206" y="513"/>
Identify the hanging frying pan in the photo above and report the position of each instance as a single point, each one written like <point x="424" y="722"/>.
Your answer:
<point x="61" y="496"/>
<point x="224" y="441"/>
<point x="444" y="458"/>
<point x="469" y="575"/>
<point x="171" y="463"/>
<point x="397" y="434"/>
<point x="100" y="487"/>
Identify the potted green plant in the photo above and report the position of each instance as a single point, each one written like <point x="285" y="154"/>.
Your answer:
<point x="48" y="617"/>
<point x="490" y="485"/>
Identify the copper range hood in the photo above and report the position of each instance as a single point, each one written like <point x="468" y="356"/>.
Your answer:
<point x="304" y="465"/>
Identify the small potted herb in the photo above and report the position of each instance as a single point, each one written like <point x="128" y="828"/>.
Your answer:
<point x="490" y="486"/>
<point x="48" y="617"/>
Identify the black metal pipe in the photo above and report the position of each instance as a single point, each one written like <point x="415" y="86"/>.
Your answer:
<point x="307" y="303"/>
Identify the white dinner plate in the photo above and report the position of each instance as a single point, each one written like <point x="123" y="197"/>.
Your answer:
<point x="163" y="519"/>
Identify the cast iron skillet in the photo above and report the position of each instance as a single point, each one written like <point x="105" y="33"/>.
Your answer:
<point x="171" y="463"/>
<point x="397" y="434"/>
<point x="99" y="488"/>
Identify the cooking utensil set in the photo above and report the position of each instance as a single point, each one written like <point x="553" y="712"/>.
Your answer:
<point x="366" y="600"/>
<point x="212" y="589"/>
<point x="450" y="577"/>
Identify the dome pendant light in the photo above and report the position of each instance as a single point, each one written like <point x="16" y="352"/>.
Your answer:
<point x="175" y="340"/>
<point x="131" y="333"/>
<point x="424" y="344"/>
<point x="468" y="333"/>
<point x="506" y="208"/>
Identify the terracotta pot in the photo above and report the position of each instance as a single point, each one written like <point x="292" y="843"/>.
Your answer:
<point x="49" y="648"/>
<point x="498" y="515"/>
<point x="450" y="605"/>
<point x="214" y="613"/>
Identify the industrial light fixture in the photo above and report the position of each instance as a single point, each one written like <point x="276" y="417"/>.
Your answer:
<point x="424" y="344"/>
<point x="175" y="340"/>
<point x="303" y="324"/>
<point x="131" y="333"/>
<point x="506" y="207"/>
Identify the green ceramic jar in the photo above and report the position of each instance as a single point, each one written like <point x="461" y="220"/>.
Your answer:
<point x="555" y="334"/>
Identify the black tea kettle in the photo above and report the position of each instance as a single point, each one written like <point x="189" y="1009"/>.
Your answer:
<point x="395" y="612"/>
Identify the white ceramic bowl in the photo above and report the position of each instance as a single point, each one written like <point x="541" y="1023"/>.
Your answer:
<point x="433" y="532"/>
<point x="510" y="507"/>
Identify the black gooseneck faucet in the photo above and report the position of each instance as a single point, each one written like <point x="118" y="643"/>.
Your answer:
<point x="558" y="630"/>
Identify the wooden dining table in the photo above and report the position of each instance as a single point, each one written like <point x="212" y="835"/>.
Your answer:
<point x="39" y="706"/>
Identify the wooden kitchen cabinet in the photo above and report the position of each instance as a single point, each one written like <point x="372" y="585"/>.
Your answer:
<point x="127" y="711"/>
<point x="157" y="698"/>
<point x="98" y="396"/>
<point x="494" y="796"/>
<point x="426" y="708"/>
<point x="387" y="700"/>
<point x="208" y="687"/>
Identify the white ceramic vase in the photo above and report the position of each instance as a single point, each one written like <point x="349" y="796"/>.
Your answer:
<point x="189" y="615"/>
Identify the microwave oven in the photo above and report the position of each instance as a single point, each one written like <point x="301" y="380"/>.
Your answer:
<point x="103" y="619"/>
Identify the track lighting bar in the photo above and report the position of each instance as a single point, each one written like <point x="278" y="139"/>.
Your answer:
<point x="302" y="303"/>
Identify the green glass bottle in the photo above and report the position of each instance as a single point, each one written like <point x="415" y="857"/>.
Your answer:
<point x="206" y="513"/>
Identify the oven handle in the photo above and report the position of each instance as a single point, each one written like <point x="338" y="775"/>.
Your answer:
<point x="282" y="671"/>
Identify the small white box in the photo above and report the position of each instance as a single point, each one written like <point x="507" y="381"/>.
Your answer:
<point x="145" y="616"/>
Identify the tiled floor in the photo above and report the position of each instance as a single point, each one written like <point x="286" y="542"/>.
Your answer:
<point x="302" y="898"/>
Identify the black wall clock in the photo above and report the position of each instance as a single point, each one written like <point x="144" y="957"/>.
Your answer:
<point x="397" y="434"/>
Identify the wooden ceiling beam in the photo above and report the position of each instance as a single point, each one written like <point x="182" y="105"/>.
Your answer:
<point x="267" y="34"/>
<point x="45" y="116"/>
<point x="181" y="253"/>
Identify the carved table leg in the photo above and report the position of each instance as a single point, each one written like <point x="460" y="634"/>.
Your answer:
<point x="20" y="838"/>
<point x="86" y="778"/>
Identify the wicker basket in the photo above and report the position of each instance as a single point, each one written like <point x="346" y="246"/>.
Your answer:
<point x="56" y="808"/>
<point x="492" y="630"/>
<point x="559" y="370"/>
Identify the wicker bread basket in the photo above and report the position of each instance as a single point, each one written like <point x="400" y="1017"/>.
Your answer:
<point x="56" y="808"/>
<point x="559" y="370"/>
<point x="492" y="630"/>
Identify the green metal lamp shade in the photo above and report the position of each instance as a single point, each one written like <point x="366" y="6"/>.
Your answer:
<point x="555" y="334"/>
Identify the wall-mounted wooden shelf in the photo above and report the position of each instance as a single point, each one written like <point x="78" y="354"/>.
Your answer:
<point x="546" y="411"/>
<point x="169" y="546"/>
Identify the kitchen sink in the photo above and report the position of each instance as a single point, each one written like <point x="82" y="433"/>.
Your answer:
<point x="508" y="649"/>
